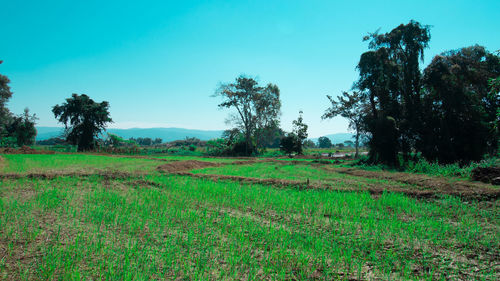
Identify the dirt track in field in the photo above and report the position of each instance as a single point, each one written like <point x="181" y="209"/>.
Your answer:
<point x="439" y="185"/>
<point x="430" y="186"/>
<point x="426" y="186"/>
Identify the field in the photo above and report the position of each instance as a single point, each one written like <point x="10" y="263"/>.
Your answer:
<point x="102" y="217"/>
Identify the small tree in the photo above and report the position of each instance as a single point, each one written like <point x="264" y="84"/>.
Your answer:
<point x="289" y="143"/>
<point x="294" y="141"/>
<point x="351" y="107"/>
<point x="300" y="129"/>
<point x="83" y="118"/>
<point x="23" y="128"/>
<point x="324" y="142"/>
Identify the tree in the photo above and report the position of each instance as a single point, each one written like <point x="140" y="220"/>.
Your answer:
<point x="348" y="143"/>
<point x="460" y="106"/>
<point x="22" y="128"/>
<point x="83" y="119"/>
<point x="353" y="108"/>
<point x="289" y="143"/>
<point x="390" y="82"/>
<point x="256" y="108"/>
<point x="324" y="142"/>
<point x="309" y="144"/>
<point x="300" y="130"/>
<point x="14" y="130"/>
<point x="294" y="141"/>
<point x="5" y="95"/>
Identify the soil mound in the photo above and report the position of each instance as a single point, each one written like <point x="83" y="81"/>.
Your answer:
<point x="23" y="150"/>
<point x="487" y="175"/>
<point x="179" y="166"/>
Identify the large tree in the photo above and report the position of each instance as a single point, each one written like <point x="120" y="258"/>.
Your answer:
<point x="352" y="107"/>
<point x="390" y="80"/>
<point x="257" y="108"/>
<point x="460" y="106"/>
<point x="83" y="118"/>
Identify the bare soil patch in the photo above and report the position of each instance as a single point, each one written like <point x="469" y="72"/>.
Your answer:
<point x="273" y="182"/>
<point x="487" y="175"/>
<point x="432" y="185"/>
<point x="24" y="150"/>
<point x="179" y="166"/>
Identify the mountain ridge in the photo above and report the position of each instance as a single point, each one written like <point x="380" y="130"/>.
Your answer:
<point x="167" y="134"/>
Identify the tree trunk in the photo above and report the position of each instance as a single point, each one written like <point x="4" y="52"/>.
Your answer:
<point x="356" y="144"/>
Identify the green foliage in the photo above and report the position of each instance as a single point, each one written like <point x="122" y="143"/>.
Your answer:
<point x="324" y="142"/>
<point x="290" y="144"/>
<point x="217" y="147"/>
<point x="14" y="130"/>
<point x="294" y="141"/>
<point x="5" y="95"/>
<point x="22" y="128"/>
<point x="460" y="106"/>
<point x="390" y="85"/>
<point x="84" y="120"/>
<point x="8" y="142"/>
<point x="449" y="113"/>
<point x="258" y="109"/>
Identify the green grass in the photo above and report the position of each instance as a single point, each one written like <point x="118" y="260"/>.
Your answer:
<point x="206" y="159"/>
<point x="302" y="172"/>
<point x="19" y="163"/>
<point x="162" y="227"/>
<point x="423" y="166"/>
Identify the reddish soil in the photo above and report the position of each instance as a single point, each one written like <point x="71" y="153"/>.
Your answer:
<point x="431" y="185"/>
<point x="178" y="166"/>
<point x="273" y="182"/>
<point x="23" y="150"/>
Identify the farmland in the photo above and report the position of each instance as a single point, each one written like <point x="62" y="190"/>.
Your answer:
<point x="109" y="217"/>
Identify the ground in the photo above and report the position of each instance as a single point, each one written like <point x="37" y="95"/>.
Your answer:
<point x="105" y="217"/>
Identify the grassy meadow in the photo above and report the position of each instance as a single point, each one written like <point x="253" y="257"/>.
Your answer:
<point x="98" y="217"/>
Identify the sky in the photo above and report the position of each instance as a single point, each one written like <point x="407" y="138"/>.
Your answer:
<point x="158" y="62"/>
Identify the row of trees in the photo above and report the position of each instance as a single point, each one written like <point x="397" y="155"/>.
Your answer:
<point x="448" y="112"/>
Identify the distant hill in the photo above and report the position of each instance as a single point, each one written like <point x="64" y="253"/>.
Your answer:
<point x="166" y="134"/>
<point x="337" y="138"/>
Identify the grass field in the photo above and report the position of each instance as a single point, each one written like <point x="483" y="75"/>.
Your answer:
<point x="87" y="222"/>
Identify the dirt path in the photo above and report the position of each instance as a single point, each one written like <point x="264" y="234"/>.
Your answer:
<point x="436" y="185"/>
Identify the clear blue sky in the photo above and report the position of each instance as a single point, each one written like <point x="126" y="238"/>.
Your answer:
<point x="158" y="62"/>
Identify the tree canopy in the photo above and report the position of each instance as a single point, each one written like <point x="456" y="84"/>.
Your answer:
<point x="449" y="112"/>
<point x="83" y="118"/>
<point x="459" y="106"/>
<point x="324" y="142"/>
<point x="257" y="108"/>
